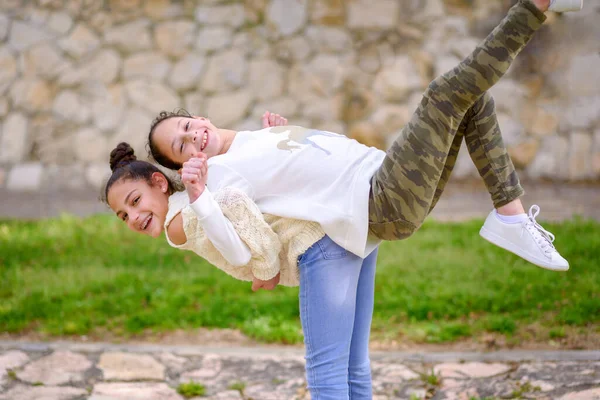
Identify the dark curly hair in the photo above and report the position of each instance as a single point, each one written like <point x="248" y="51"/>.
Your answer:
<point x="125" y="165"/>
<point x="153" y="149"/>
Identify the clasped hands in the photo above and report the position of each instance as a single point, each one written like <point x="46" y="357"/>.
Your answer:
<point x="266" y="285"/>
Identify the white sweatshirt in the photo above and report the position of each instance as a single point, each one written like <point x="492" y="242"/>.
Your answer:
<point x="304" y="174"/>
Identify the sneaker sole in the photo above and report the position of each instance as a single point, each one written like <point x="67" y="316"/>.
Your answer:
<point x="507" y="245"/>
<point x="561" y="6"/>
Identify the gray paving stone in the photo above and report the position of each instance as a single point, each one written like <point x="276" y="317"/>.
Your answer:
<point x="43" y="393"/>
<point x="134" y="391"/>
<point x="391" y="373"/>
<point x="470" y="370"/>
<point x="59" y="368"/>
<point x="11" y="360"/>
<point x="174" y="363"/>
<point x="266" y="391"/>
<point x="211" y="367"/>
<point x="560" y="374"/>
<point x="227" y="395"/>
<point x="591" y="394"/>
<point x="130" y="367"/>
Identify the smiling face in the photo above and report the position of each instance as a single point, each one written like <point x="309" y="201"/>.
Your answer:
<point x="181" y="138"/>
<point x="143" y="207"/>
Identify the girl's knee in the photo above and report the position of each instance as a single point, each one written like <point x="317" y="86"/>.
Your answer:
<point x="357" y="371"/>
<point x="488" y="98"/>
<point x="443" y="81"/>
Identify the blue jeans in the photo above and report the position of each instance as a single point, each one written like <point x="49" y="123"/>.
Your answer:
<point x="336" y="307"/>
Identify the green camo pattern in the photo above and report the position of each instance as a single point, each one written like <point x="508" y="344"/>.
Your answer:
<point x="454" y="107"/>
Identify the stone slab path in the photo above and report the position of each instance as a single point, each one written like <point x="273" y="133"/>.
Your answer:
<point x="75" y="371"/>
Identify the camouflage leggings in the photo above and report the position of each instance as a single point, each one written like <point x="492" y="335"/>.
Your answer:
<point x="456" y="105"/>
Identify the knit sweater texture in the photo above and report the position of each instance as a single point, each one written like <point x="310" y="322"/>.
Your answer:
<point x="274" y="242"/>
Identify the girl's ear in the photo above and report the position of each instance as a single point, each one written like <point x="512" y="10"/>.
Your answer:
<point x="158" y="179"/>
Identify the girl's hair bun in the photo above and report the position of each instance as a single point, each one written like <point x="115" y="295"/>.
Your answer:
<point x="121" y="156"/>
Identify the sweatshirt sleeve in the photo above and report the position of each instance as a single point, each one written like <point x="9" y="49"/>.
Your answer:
<point x="249" y="225"/>
<point x="220" y="231"/>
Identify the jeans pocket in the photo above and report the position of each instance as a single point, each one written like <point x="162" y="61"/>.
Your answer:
<point x="312" y="253"/>
<point x="331" y="250"/>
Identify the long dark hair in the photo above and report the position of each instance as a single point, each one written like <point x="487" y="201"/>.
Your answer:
<point x="125" y="165"/>
<point x="153" y="149"/>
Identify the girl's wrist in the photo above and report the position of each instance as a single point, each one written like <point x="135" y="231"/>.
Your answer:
<point x="194" y="194"/>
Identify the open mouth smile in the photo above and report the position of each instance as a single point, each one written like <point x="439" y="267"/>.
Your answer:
<point x="204" y="141"/>
<point x="146" y="223"/>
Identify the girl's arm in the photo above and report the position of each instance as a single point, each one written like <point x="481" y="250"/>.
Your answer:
<point x="220" y="230"/>
<point x="189" y="231"/>
<point x="217" y="228"/>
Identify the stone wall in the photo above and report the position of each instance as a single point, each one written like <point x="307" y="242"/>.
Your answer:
<point x="78" y="76"/>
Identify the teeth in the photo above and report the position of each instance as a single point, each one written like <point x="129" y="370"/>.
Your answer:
<point x="204" y="139"/>
<point x="146" y="222"/>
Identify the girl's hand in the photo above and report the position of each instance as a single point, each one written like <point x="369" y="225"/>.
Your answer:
<point x="267" y="285"/>
<point x="194" y="174"/>
<point x="269" y="120"/>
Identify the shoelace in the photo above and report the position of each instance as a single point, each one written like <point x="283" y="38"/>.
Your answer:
<point x="542" y="237"/>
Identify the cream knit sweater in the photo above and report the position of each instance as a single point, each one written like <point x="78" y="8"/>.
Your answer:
<point x="274" y="242"/>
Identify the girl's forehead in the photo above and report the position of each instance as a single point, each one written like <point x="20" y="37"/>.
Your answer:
<point x="169" y="126"/>
<point x="123" y="191"/>
<point x="122" y="188"/>
<point x="132" y="183"/>
<point x="165" y="123"/>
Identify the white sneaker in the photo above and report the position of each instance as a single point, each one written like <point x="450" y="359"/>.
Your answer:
<point x="565" y="5"/>
<point x="527" y="239"/>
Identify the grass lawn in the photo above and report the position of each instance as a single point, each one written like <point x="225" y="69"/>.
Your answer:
<point x="72" y="276"/>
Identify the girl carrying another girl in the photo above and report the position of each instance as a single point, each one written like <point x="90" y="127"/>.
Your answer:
<point x="360" y="196"/>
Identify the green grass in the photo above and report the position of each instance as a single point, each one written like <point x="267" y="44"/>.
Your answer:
<point x="71" y="276"/>
<point x="239" y="386"/>
<point x="524" y="389"/>
<point x="191" y="389"/>
<point x="430" y="378"/>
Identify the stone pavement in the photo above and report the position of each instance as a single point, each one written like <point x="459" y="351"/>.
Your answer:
<point x="76" y="371"/>
<point x="461" y="200"/>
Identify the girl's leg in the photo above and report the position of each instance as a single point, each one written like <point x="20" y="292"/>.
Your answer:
<point x="359" y="370"/>
<point x="508" y="226"/>
<point x="449" y="165"/>
<point x="481" y="131"/>
<point x="489" y="154"/>
<point x="404" y="187"/>
<point x="329" y="278"/>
